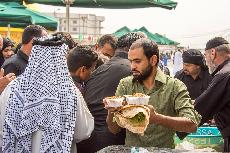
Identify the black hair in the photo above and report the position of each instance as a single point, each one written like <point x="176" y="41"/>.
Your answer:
<point x="150" y="47"/>
<point x="67" y="38"/>
<point x="108" y="38"/>
<point x="30" y="32"/>
<point x="99" y="62"/>
<point x="6" y="43"/>
<point x="81" y="56"/>
<point x="126" y="40"/>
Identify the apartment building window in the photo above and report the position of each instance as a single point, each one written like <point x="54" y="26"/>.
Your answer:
<point x="74" y="21"/>
<point x="74" y="29"/>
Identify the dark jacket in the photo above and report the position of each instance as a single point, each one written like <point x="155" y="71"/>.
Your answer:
<point x="215" y="103"/>
<point x="195" y="87"/>
<point x="16" y="64"/>
<point x="103" y="83"/>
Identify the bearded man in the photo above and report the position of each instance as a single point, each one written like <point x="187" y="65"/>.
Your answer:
<point x="195" y="74"/>
<point x="215" y="101"/>
<point x="170" y="105"/>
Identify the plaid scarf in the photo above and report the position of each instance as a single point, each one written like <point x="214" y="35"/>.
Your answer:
<point x="43" y="98"/>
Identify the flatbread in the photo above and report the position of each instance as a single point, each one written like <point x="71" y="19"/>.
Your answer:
<point x="124" y="115"/>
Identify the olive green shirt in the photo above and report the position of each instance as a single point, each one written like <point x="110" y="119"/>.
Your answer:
<point x="169" y="97"/>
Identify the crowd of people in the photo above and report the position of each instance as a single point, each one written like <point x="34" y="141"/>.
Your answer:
<point x="53" y="91"/>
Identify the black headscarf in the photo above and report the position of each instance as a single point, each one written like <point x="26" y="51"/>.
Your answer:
<point x="194" y="56"/>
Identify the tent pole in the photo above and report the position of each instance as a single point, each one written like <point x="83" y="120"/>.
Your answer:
<point x="67" y="15"/>
<point x="68" y="3"/>
<point x="8" y="30"/>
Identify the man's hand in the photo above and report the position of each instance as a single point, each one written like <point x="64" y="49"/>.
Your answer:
<point x="5" y="80"/>
<point x="153" y="114"/>
<point x="112" y="126"/>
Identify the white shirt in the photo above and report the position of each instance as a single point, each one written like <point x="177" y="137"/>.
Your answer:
<point x="178" y="62"/>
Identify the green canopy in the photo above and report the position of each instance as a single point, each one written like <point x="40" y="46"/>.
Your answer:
<point x="150" y="35"/>
<point x="122" y="31"/>
<point x="112" y="4"/>
<point x="166" y="40"/>
<point x="18" y="1"/>
<point x="159" y="39"/>
<point x="19" y="16"/>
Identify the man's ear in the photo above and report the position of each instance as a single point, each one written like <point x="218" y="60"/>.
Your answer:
<point x="83" y="69"/>
<point x="153" y="60"/>
<point x="80" y="71"/>
<point x="213" y="54"/>
<point x="96" y="46"/>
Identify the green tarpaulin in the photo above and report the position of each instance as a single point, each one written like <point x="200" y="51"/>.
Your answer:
<point x="150" y="35"/>
<point x="18" y="1"/>
<point x="159" y="39"/>
<point x="19" y="16"/>
<point x="166" y="40"/>
<point x="112" y="4"/>
<point x="122" y="31"/>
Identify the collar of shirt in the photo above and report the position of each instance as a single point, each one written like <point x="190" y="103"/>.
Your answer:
<point x="160" y="79"/>
<point x="160" y="76"/>
<point x="220" y="66"/>
<point x="23" y="55"/>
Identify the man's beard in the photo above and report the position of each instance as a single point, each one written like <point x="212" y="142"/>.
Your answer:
<point x="186" y="72"/>
<point x="142" y="76"/>
<point x="212" y="67"/>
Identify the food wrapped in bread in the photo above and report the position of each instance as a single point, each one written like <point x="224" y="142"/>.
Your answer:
<point x="134" y="118"/>
<point x="137" y="99"/>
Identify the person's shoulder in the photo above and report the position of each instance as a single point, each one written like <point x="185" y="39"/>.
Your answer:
<point x="206" y="74"/>
<point x="126" y="83"/>
<point x="225" y="69"/>
<point x="174" y="82"/>
<point x="121" y="62"/>
<point x="111" y="67"/>
<point x="100" y="70"/>
<point x="11" y="60"/>
<point x="11" y="63"/>
<point x="127" y="80"/>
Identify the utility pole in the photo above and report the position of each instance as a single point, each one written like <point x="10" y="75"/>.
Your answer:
<point x="68" y="3"/>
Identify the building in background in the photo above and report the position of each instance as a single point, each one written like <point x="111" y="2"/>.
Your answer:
<point x="84" y="28"/>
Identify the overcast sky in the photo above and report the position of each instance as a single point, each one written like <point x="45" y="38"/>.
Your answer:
<point x="192" y="23"/>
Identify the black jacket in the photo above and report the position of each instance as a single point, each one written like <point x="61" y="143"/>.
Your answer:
<point x="195" y="87"/>
<point x="103" y="83"/>
<point x="16" y="64"/>
<point x="215" y="101"/>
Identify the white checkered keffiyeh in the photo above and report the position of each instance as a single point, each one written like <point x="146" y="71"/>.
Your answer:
<point x="44" y="97"/>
